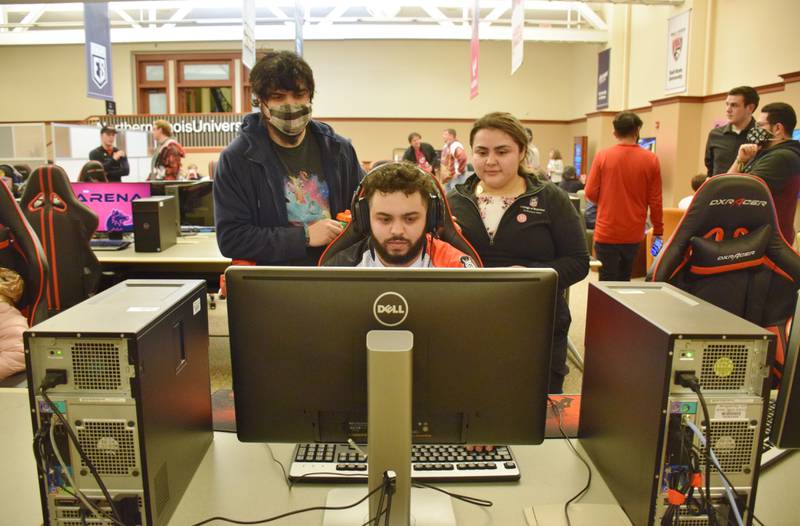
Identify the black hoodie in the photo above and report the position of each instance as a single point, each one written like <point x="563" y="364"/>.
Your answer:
<point x="779" y="167"/>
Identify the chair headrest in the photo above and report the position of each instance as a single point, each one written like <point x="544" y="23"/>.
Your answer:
<point x="723" y="207"/>
<point x="22" y="252"/>
<point x="446" y="229"/>
<point x="47" y="181"/>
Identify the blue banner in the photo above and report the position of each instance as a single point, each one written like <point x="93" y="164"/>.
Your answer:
<point x="98" y="51"/>
<point x="603" y="62"/>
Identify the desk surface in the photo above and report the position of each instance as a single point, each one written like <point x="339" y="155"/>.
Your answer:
<point x="240" y="481"/>
<point x="197" y="249"/>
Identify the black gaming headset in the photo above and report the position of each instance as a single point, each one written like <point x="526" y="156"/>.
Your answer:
<point x="434" y="218"/>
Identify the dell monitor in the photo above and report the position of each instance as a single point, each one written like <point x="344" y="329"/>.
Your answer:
<point x="112" y="202"/>
<point x="796" y="134"/>
<point x="195" y="202"/>
<point x="481" y="350"/>
<point x="648" y="143"/>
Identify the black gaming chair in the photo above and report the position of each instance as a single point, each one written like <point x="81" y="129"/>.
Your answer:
<point x="442" y="227"/>
<point x="21" y="251"/>
<point x="65" y="226"/>
<point x="728" y="250"/>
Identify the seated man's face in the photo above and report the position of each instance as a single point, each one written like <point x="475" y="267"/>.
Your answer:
<point x="397" y="222"/>
<point x="416" y="141"/>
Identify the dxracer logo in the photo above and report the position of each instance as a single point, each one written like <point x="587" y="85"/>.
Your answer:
<point x="737" y="202"/>
<point x="390" y="309"/>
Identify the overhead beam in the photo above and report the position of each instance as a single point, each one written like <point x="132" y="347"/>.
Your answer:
<point x="590" y="16"/>
<point x="493" y="15"/>
<point x="126" y="17"/>
<point x="177" y="16"/>
<point x="355" y="31"/>
<point x="436" y="13"/>
<point x="33" y="15"/>
<point x="334" y="14"/>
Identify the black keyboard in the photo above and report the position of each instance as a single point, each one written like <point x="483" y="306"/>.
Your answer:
<point x="328" y="462"/>
<point x="109" y="244"/>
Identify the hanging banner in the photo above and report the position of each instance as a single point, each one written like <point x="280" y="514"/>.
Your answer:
<point x="677" y="52"/>
<point x="473" y="53"/>
<point x="98" y="51"/>
<point x="249" y="33"/>
<point x="299" y="20"/>
<point x="603" y="65"/>
<point x="517" y="34"/>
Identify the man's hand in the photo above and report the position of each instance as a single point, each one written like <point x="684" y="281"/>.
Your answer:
<point x="747" y="152"/>
<point x="119" y="154"/>
<point x="322" y="232"/>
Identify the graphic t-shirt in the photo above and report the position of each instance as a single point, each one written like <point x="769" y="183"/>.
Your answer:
<point x="307" y="193"/>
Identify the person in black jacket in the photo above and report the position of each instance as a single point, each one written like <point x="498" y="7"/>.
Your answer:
<point x="280" y="184"/>
<point x="114" y="160"/>
<point x="514" y="219"/>
<point x="420" y="153"/>
<point x="569" y="180"/>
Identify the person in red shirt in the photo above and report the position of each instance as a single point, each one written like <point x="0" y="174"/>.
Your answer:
<point x="420" y="153"/>
<point x="624" y="181"/>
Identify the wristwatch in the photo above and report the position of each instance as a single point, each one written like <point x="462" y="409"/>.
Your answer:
<point x="305" y="232"/>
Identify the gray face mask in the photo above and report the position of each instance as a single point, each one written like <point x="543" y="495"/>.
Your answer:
<point x="290" y="119"/>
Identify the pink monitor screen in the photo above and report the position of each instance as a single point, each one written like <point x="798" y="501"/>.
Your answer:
<point x="112" y="202"/>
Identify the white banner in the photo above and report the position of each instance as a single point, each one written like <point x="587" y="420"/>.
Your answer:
<point x="517" y="34"/>
<point x="677" y="52"/>
<point x="249" y="33"/>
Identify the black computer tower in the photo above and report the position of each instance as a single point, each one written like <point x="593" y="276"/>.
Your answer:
<point x="133" y="362"/>
<point x="634" y="420"/>
<point x="155" y="223"/>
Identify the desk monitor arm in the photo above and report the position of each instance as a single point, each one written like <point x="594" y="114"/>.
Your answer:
<point x="389" y="389"/>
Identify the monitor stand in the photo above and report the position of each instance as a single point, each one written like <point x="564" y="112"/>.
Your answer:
<point x="115" y="235"/>
<point x="389" y="390"/>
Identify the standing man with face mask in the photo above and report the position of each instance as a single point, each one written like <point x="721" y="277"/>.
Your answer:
<point x="772" y="155"/>
<point x="723" y="142"/>
<point x="280" y="184"/>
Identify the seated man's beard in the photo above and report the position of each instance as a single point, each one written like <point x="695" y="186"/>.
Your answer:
<point x="410" y="255"/>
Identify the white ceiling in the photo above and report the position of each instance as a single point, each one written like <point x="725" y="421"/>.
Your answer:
<point x="214" y="20"/>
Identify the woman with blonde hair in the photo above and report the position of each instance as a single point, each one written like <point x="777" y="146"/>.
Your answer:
<point x="514" y="219"/>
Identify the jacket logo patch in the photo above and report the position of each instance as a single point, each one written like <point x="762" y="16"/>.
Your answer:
<point x="521" y="218"/>
<point x="467" y="262"/>
<point x="534" y="202"/>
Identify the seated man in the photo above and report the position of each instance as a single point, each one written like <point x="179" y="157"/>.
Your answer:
<point x="401" y="208"/>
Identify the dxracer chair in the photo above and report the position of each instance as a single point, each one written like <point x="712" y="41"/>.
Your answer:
<point x="21" y="251"/>
<point x="65" y="226"/>
<point x="728" y="250"/>
<point x="439" y="224"/>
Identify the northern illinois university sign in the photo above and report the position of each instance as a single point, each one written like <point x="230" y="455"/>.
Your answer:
<point x="192" y="130"/>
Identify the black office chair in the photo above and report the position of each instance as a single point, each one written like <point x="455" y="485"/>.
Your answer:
<point x="728" y="250"/>
<point x="21" y="251"/>
<point x="65" y="226"/>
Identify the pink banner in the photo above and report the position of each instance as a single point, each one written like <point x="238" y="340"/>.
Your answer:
<point x="112" y="202"/>
<point x="474" y="52"/>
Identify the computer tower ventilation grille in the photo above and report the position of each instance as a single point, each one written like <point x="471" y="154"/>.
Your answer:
<point x="109" y="444"/>
<point x="684" y="519"/>
<point x="732" y="442"/>
<point x="724" y="366"/>
<point x="96" y="366"/>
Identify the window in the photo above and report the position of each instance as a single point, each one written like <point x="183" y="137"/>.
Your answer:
<point x="152" y="86"/>
<point x="190" y="83"/>
<point x="205" y="86"/>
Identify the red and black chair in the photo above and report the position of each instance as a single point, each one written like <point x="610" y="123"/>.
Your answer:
<point x="728" y="250"/>
<point x="440" y="224"/>
<point x="64" y="226"/>
<point x="21" y="252"/>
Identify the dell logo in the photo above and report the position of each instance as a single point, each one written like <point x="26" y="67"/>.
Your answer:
<point x="390" y="309"/>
